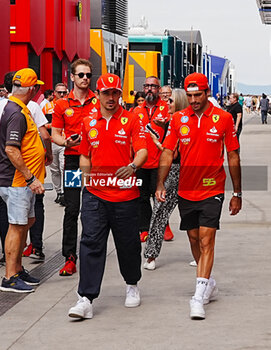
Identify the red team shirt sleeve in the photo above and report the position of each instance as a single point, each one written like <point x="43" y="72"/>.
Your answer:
<point x="172" y="135"/>
<point x="138" y="134"/>
<point x="58" y="120"/>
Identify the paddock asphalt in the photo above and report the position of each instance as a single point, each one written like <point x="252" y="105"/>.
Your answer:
<point x="238" y="320"/>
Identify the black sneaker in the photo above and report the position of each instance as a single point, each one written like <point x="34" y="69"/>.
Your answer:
<point x="15" y="284"/>
<point x="61" y="200"/>
<point x="57" y="197"/>
<point x="28" y="279"/>
<point x="37" y="255"/>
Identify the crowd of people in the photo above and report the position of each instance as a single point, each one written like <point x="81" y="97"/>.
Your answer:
<point x="251" y="104"/>
<point x="156" y="152"/>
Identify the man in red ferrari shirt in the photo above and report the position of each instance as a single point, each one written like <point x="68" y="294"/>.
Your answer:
<point x="110" y="197"/>
<point x="67" y="117"/>
<point x="153" y="113"/>
<point x="202" y="131"/>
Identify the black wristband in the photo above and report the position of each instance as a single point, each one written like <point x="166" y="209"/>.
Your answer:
<point x="30" y="181"/>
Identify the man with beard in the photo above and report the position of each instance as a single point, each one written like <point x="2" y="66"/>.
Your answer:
<point x="202" y="130"/>
<point x="153" y="113"/>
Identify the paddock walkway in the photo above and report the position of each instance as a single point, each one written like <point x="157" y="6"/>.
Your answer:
<point x="239" y="319"/>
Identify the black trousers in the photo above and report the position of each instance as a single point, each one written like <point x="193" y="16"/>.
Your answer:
<point x="72" y="207"/>
<point x="36" y="231"/>
<point x="147" y="190"/>
<point x="3" y="223"/>
<point x="98" y="217"/>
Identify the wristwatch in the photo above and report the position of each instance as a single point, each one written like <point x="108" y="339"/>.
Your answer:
<point x="133" y="166"/>
<point x="237" y="194"/>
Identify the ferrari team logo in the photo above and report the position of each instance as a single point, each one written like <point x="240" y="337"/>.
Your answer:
<point x="184" y="130"/>
<point x="110" y="79"/>
<point x="94" y="101"/>
<point x="93" y="133"/>
<point x="161" y="108"/>
<point x="141" y="116"/>
<point x="215" y="118"/>
<point x="69" y="112"/>
<point x="124" y="120"/>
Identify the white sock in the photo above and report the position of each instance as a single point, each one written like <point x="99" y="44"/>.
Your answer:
<point x="210" y="286"/>
<point x="200" y="288"/>
<point x="211" y="281"/>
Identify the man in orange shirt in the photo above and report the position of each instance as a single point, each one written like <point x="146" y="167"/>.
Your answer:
<point x="68" y="115"/>
<point x="22" y="168"/>
<point x="153" y="113"/>
<point x="110" y="198"/>
<point x="202" y="131"/>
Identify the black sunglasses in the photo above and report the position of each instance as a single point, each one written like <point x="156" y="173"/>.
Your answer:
<point x="81" y="75"/>
<point x="150" y="86"/>
<point x="62" y="92"/>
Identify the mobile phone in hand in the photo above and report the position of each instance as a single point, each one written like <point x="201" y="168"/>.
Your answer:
<point x="74" y="137"/>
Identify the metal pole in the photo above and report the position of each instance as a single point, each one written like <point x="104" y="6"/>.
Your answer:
<point x="191" y="52"/>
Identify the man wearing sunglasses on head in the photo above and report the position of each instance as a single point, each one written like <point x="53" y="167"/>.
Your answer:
<point x="67" y="117"/>
<point x="153" y="113"/>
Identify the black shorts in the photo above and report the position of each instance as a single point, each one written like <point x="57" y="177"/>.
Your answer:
<point x="200" y="213"/>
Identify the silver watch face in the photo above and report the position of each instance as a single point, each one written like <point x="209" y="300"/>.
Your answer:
<point x="133" y="166"/>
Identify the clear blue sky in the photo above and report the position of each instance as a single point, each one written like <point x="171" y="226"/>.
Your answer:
<point x="231" y="28"/>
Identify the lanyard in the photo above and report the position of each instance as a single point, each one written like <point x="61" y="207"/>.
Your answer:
<point x="150" y="117"/>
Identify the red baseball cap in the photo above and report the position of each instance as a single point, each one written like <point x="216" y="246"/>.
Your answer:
<point x="198" y="79"/>
<point x="108" y="81"/>
<point x="26" y="77"/>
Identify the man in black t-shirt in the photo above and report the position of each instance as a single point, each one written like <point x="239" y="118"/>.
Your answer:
<point x="236" y="111"/>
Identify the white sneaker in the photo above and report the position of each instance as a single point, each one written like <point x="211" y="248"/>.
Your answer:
<point x="149" y="265"/>
<point x="211" y="292"/>
<point x="82" y="309"/>
<point x="132" y="296"/>
<point x="193" y="263"/>
<point x="196" y="309"/>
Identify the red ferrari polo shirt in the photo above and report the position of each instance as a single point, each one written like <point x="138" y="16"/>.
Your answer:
<point x="108" y="143"/>
<point x="202" y="142"/>
<point x="69" y="114"/>
<point x="147" y="115"/>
